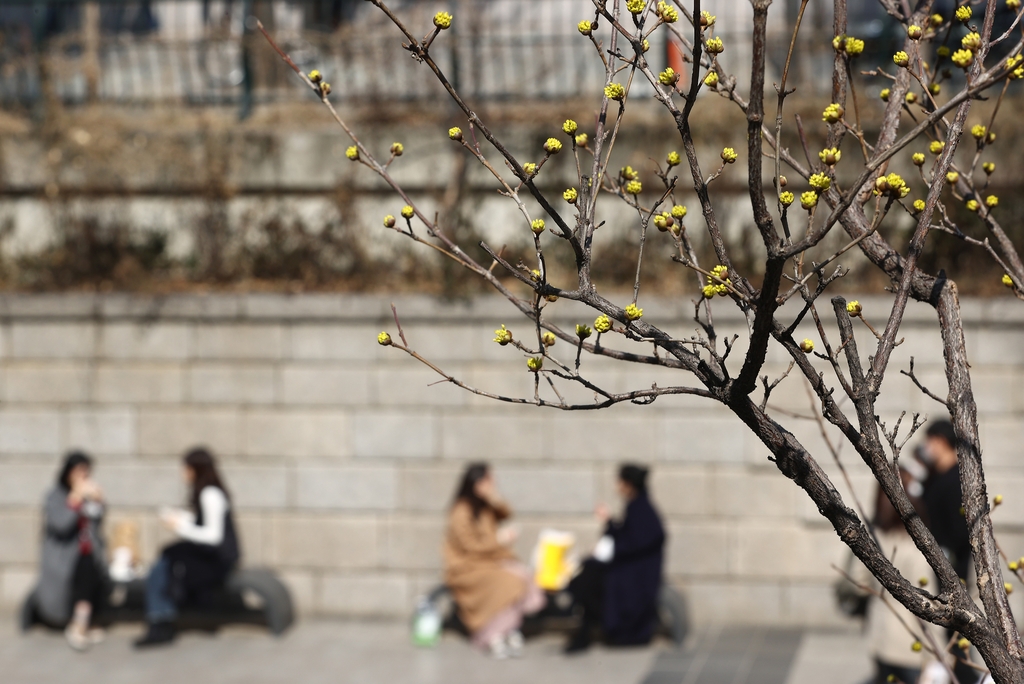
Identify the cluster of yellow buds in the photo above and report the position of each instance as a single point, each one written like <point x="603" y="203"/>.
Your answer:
<point x="602" y="324"/>
<point x="978" y="131"/>
<point x="854" y="309"/>
<point x="919" y="205"/>
<point x="664" y="221"/>
<point x="832" y="113"/>
<point x="389" y="221"/>
<point x="936" y="146"/>
<point x="628" y="173"/>
<point x="963" y="13"/>
<point x="942" y="52"/>
<point x="989" y="167"/>
<point x="537" y="226"/>
<point x="706" y="19"/>
<point x="972" y="205"/>
<point x="503" y="335"/>
<point x="830" y="156"/>
<point x="548" y="339"/>
<point x="1012" y="5"/>
<point x="673" y="159"/>
<point x="570" y="195"/>
<point x="535" y="363"/>
<point x="729" y="155"/>
<point x="934" y="89"/>
<point x="972" y="42"/>
<point x="582" y="139"/>
<point x="884" y="94"/>
<point x="634" y="187"/>
<point x="586" y="27"/>
<point x="918" y="158"/>
<point x="714" y="287"/>
<point x="916" y="646"/>
<point x="963" y="58"/>
<point x="935" y="20"/>
<point x="991" y="201"/>
<point x="530" y="168"/>
<point x="848" y="44"/>
<point x="820" y="182"/>
<point x="711" y="80"/>
<point x="318" y="80"/>
<point x="1013" y="62"/>
<point x="892" y="185"/>
<point x="408" y="212"/>
<point x="807" y="346"/>
<point x="714" y="46"/>
<point x="1008" y="587"/>
<point x="384" y="339"/>
<point x="668" y="77"/>
<point x="911" y="98"/>
<point x="636" y="6"/>
<point x="809" y="200"/>
<point x="786" y="198"/>
<point x="952" y="177"/>
<point x="666" y="12"/>
<point x="614" y="91"/>
<point x="455" y="133"/>
<point x="443" y="20"/>
<point x="583" y="331"/>
<point x="915" y="32"/>
<point x="397" y="149"/>
<point x="633" y="312"/>
<point x="553" y="146"/>
<point x="1007" y="280"/>
<point x="901" y="59"/>
<point x="645" y="45"/>
<point x="352" y="152"/>
<point x="569" y="127"/>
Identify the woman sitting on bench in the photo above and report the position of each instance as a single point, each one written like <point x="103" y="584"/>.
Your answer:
<point x="192" y="569"/>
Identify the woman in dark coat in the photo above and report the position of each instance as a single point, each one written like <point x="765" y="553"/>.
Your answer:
<point x="191" y="570"/>
<point x="617" y="588"/>
<point x="73" y="578"/>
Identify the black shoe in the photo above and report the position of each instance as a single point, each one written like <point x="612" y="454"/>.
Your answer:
<point x="158" y="633"/>
<point x="578" y="643"/>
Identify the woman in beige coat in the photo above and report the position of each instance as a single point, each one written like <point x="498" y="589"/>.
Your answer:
<point x="492" y="589"/>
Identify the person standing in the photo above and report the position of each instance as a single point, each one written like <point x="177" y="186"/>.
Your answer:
<point x="617" y="588"/>
<point x="73" y="583"/>
<point x="492" y="589"/>
<point x="190" y="570"/>
<point x="943" y="499"/>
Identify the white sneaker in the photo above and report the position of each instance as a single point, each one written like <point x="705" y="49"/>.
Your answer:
<point x="498" y="648"/>
<point x="77" y="638"/>
<point x="515" y="642"/>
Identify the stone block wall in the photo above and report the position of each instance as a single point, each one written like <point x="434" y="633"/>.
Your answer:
<point x="342" y="456"/>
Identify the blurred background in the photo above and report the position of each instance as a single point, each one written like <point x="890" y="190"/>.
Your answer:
<point x="187" y="257"/>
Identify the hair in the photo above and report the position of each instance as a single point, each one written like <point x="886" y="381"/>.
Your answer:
<point x="72" y="461"/>
<point x="474" y="472"/>
<point x="635" y="475"/>
<point x="201" y="461"/>
<point x="943" y="429"/>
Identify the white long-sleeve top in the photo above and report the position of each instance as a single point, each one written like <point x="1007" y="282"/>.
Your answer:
<point x="214" y="505"/>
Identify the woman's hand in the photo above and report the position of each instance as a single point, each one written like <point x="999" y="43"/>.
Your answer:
<point x="507" y="535"/>
<point x="170" y="518"/>
<point x="90" y="490"/>
<point x="601" y="513"/>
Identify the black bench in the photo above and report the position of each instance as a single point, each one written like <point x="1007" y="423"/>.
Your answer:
<point x="253" y="596"/>
<point x="558" y="613"/>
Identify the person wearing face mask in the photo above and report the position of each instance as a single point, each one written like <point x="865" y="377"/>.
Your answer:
<point x="617" y="588"/>
<point x="73" y="582"/>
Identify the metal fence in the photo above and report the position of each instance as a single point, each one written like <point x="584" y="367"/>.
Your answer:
<point x="201" y="52"/>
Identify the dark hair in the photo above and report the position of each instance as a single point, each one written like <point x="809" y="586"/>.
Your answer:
<point x="200" y="460"/>
<point x="635" y="476"/>
<point x="467" y="487"/>
<point x="72" y="461"/>
<point x="943" y="429"/>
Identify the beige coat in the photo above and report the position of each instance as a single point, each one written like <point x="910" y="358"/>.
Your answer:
<point x="888" y="638"/>
<point x="473" y="565"/>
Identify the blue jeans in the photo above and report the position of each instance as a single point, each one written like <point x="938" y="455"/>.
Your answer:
<point x="159" y="605"/>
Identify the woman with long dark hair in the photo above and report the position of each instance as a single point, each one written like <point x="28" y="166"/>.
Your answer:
<point x="492" y="589"/>
<point x="73" y="582"/>
<point x="190" y="570"/>
<point x="617" y="588"/>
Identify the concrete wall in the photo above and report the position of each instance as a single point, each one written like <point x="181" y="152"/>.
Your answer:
<point x="342" y="457"/>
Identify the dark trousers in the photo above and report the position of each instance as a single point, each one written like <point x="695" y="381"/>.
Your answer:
<point x="87" y="583"/>
<point x="902" y="675"/>
<point x="587" y="589"/>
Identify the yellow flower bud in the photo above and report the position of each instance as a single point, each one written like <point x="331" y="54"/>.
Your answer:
<point x="535" y="363"/>
<point x="633" y="312"/>
<point x="443" y="20"/>
<point x="503" y="335"/>
<point x="383" y="339"/>
<point x="807" y="346"/>
<point x="408" y="212"/>
<point x="602" y="324"/>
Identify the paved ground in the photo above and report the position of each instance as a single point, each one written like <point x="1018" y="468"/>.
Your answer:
<point x="378" y="653"/>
